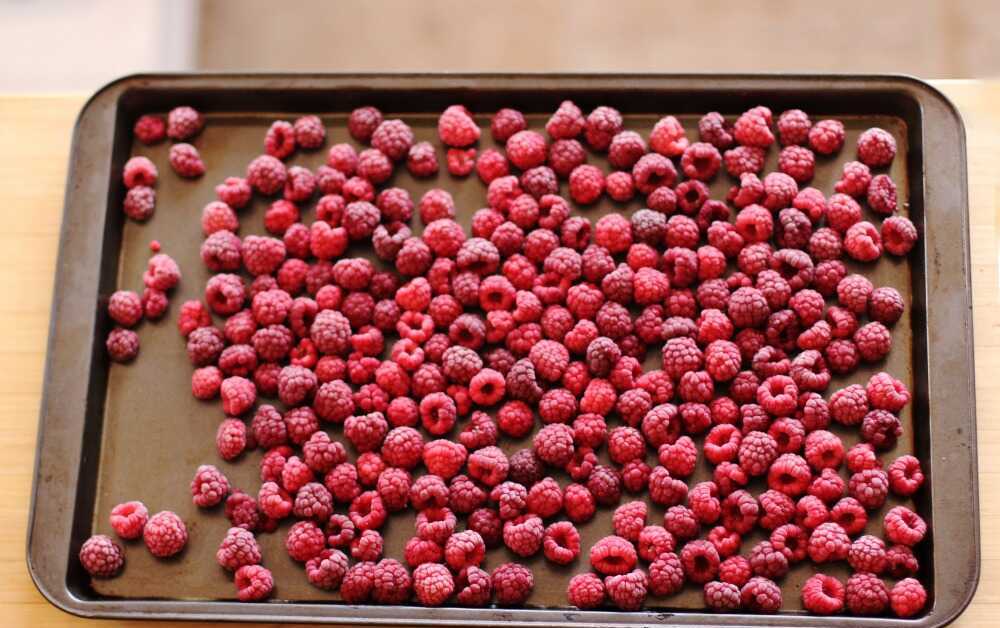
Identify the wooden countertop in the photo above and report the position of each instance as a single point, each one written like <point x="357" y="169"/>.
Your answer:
<point x="34" y="149"/>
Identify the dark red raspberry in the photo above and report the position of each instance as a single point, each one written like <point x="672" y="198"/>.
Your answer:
<point x="392" y="137"/>
<point x="767" y="561"/>
<point x="165" y="534"/>
<point x="326" y="570"/>
<point x="150" y="129"/>
<point x="362" y="123"/>
<point x="392" y="582"/>
<point x="512" y="584"/>
<point x="102" y="557"/>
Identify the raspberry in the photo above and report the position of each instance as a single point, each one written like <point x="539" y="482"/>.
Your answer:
<point x="339" y="531"/>
<point x="898" y="235"/>
<point x="326" y="570"/>
<point x="524" y="535"/>
<point x="165" y="534"/>
<point x="789" y="474"/>
<point x="421" y="160"/>
<point x="140" y="203"/>
<point x="665" y="490"/>
<point x="627" y="591"/>
<point x="320" y="453"/>
<point x="579" y="504"/>
<point x="209" y="486"/>
<point x="150" y="129"/>
<point x="761" y="595"/>
<point x="873" y="341"/>
<point x="526" y="149"/>
<point x="777" y="508"/>
<point x="512" y="583"/>
<point x="743" y="159"/>
<point x="756" y="453"/>
<point x="253" y="583"/>
<point x="362" y="123"/>
<point x="652" y="171"/>
<point x="876" y="147"/>
<point x="907" y="597"/>
<point x="721" y="596"/>
<point x="863" y="242"/>
<point x="367" y="511"/>
<point x="586" y="184"/>
<point x="392" y="582"/>
<point x="392" y="137"/>
<point x="826" y="136"/>
<point x="752" y="128"/>
<point x="823" y="595"/>
<point x="186" y="161"/>
<point x="828" y="542"/>
<point x="432" y="584"/>
<point x="867" y="554"/>
<point x="585" y="591"/>
<point x="457" y="128"/>
<point x="358" y="583"/>
<point x="238" y="548"/>
<point x="102" y="557"/>
<point x="855" y="179"/>
<point x="903" y="526"/>
<point x="679" y="457"/>
<point x="905" y="475"/>
<point x="767" y="561"/>
<point x="866" y="594"/>
<point x="368" y="546"/>
<point x="139" y="171"/>
<point x="444" y="458"/>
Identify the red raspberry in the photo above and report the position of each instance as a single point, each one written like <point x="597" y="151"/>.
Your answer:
<point x="420" y="551"/>
<point x="866" y="594"/>
<point x="326" y="570"/>
<point x="186" y="161"/>
<point x="701" y="161"/>
<point x="432" y="584"/>
<point x="274" y="501"/>
<point x="867" y="554"/>
<point x="280" y="139"/>
<point x="767" y="561"/>
<point x="586" y="183"/>
<point x="797" y="162"/>
<point x="902" y="562"/>
<point x="579" y="504"/>
<point x="209" y="486"/>
<point x="876" y="147"/>
<point x="140" y="203"/>
<point x="150" y="129"/>
<point x="392" y="583"/>
<point x="777" y="508"/>
<point x="421" y="160"/>
<point x="700" y="561"/>
<point x="752" y="128"/>
<point x="826" y="136"/>
<point x="505" y="123"/>
<point x="457" y="128"/>
<point x="666" y="574"/>
<point x="165" y="534"/>
<point x="585" y="591"/>
<point x="526" y="149"/>
<point x="761" y="595"/>
<point x="789" y="474"/>
<point x="627" y="591"/>
<point x="512" y="583"/>
<point x="665" y="490"/>
<point x="523" y="535"/>
<point x="823" y="595"/>
<point x="102" y="557"/>
<point x="368" y="546"/>
<point x="358" y="582"/>
<point x="903" y="526"/>
<point x="363" y="122"/>
<point x="392" y="137"/>
<point x="870" y="487"/>
<point x="238" y="548"/>
<point x="566" y="123"/>
<point x="714" y="129"/>
<point x="756" y="453"/>
<point x="905" y="475"/>
<point x="653" y="542"/>
<point x="253" y="583"/>
<point x="184" y="123"/>
<point x="128" y="519"/>
<point x="907" y="597"/>
<point x="863" y="242"/>
<point x="139" y="171"/>
<point x="899" y="235"/>
<point x="828" y="542"/>
<point x="652" y="171"/>
<point x="743" y="159"/>
<point x="679" y="457"/>
<point x="667" y="137"/>
<point x="873" y="341"/>
<point x="735" y="570"/>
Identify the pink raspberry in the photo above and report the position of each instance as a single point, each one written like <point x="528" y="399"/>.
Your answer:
<point x="898" y="235"/>
<point x="866" y="594"/>
<point x="165" y="534"/>
<point x="585" y="591"/>
<point x="101" y="557"/>
<point x="238" y="548"/>
<point x="512" y="584"/>
<point x="627" y="591"/>
<point x="209" y="486"/>
<point x="826" y="137"/>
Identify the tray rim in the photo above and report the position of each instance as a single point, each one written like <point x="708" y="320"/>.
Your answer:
<point x="100" y="111"/>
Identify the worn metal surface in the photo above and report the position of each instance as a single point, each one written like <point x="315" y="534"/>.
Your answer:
<point x="113" y="433"/>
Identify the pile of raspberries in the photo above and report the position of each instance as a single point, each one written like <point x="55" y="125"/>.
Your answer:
<point x="420" y="363"/>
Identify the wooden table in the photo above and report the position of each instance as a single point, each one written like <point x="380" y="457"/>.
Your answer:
<point x="34" y="146"/>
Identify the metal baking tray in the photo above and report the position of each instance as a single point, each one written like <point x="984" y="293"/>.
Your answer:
<point x="109" y="433"/>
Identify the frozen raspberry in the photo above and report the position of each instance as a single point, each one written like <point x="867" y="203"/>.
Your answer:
<point x="579" y="504"/>
<point x="139" y="171"/>
<point x="238" y="548"/>
<point x="866" y="594"/>
<point x="863" y="242"/>
<point x="667" y="137"/>
<point x="743" y="159"/>
<point x="125" y="308"/>
<point x="797" y="162"/>
<point x="602" y="125"/>
<point x="901" y="561"/>
<point x="150" y="129"/>
<point x="586" y="183"/>
<point x="828" y="542"/>
<point x="868" y="554"/>
<point x="392" y="582"/>
<point x="756" y="453"/>
<point x="714" y="129"/>
<point x="122" y="345"/>
<point x="793" y="127"/>
<point x="433" y="584"/>
<point x="140" y="203"/>
<point x="585" y="591"/>
<point x="457" y="128"/>
<point x="721" y="596"/>
<point x="898" y="235"/>
<point x="128" y="519"/>
<point x="526" y="149"/>
<point x="752" y="128"/>
<point x="209" y="486"/>
<point x="524" y="535"/>
<point x="907" y="597"/>
<point x="826" y="136"/>
<point x="279" y="141"/>
<point x="394" y="138"/>
<point x="326" y="570"/>
<point x="903" y="526"/>
<point x="700" y="561"/>
<point x="362" y="123"/>
<point x="870" y="487"/>
<point x="102" y="557"/>
<point x="625" y="150"/>
<point x="761" y="595"/>
<point x="165" y="534"/>
<point x="776" y="507"/>
<point x="855" y="179"/>
<point x="876" y="147"/>
<point x="512" y="583"/>
<point x="368" y="546"/>
<point x="358" y="583"/>
<point x="905" y="475"/>
<point x="873" y="341"/>
<point x="823" y="595"/>
<point x="652" y="171"/>
<point x="186" y="161"/>
<point x="627" y="591"/>
<point x="767" y="561"/>
<point x="666" y="574"/>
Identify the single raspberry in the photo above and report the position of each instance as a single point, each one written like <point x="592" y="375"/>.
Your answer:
<point x="433" y="584"/>
<point x="905" y="475"/>
<point x="876" y="147"/>
<point x="367" y="511"/>
<point x="524" y="534"/>
<point x="238" y="548"/>
<point x="903" y="526"/>
<point x="339" y="531"/>
<point x="368" y="546"/>
<point x="756" y="453"/>
<point x="767" y="561"/>
<point x="165" y="534"/>
<point x="907" y="597"/>
<point x="627" y="591"/>
<point x="898" y="235"/>
<point x="392" y="582"/>
<point x="209" y="486"/>
<point x="457" y="128"/>
<point x="761" y="595"/>
<point x="752" y="128"/>
<point x="392" y="137"/>
<point x="828" y="542"/>
<point x="578" y="503"/>
<point x="150" y="129"/>
<point x="743" y="159"/>
<point x="102" y="557"/>
<point x="823" y="595"/>
<point x="585" y="591"/>
<point x="358" y="583"/>
<point x="826" y="136"/>
<point x="866" y="594"/>
<point x="140" y="203"/>
<point x="362" y="123"/>
<point x="855" y="179"/>
<point x="652" y="171"/>
<point x="184" y="123"/>
<point x="186" y="161"/>
<point x="512" y="584"/>
<point x="326" y="570"/>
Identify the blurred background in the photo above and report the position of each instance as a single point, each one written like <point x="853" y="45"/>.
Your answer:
<point x="78" y="45"/>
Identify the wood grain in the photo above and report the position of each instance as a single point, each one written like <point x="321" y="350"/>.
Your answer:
<point x="34" y="148"/>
